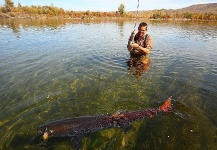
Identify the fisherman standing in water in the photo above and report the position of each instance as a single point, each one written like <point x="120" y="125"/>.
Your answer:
<point x="139" y="46"/>
<point x="140" y="43"/>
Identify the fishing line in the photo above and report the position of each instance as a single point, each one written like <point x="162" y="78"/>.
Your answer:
<point x="137" y="12"/>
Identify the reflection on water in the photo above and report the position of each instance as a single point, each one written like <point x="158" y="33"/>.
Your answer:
<point x="54" y="69"/>
<point x="138" y="65"/>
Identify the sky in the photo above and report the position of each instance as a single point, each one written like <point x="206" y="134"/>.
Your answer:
<point x="111" y="5"/>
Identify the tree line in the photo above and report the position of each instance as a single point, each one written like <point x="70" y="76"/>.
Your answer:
<point x="161" y="14"/>
<point x="52" y="11"/>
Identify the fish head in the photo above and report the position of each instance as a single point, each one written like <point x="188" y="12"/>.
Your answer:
<point x="45" y="132"/>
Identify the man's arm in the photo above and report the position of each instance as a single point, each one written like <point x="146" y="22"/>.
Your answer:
<point x="140" y="49"/>
<point x="143" y="50"/>
<point x="131" y="39"/>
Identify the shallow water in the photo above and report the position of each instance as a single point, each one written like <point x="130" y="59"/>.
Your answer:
<point x="54" y="69"/>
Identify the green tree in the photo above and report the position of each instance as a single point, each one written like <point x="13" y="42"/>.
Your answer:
<point x="157" y="15"/>
<point x="187" y="15"/>
<point x="88" y="13"/>
<point x="121" y="9"/>
<point x="9" y="5"/>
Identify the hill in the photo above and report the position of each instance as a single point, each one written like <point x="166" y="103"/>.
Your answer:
<point x="197" y="8"/>
<point x="196" y="12"/>
<point x="200" y="8"/>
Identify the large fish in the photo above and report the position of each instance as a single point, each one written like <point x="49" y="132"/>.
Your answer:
<point x="76" y="127"/>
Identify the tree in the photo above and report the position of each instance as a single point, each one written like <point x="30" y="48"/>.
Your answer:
<point x="157" y="14"/>
<point x="9" y="5"/>
<point x="19" y="6"/>
<point x="88" y="14"/>
<point x="121" y="9"/>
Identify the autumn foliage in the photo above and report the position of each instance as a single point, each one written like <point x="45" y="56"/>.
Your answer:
<point x="52" y="11"/>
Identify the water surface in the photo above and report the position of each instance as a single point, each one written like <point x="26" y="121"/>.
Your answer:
<point x="54" y="69"/>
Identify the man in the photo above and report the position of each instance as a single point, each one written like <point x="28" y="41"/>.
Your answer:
<point x="141" y="43"/>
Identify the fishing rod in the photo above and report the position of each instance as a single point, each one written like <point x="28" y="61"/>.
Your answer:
<point x="131" y="41"/>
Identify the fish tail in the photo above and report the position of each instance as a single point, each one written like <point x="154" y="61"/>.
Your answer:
<point x="166" y="107"/>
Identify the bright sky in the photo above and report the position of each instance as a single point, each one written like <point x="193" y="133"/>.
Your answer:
<point x="111" y="5"/>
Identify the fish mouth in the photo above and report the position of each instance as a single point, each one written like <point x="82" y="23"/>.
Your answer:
<point x="45" y="136"/>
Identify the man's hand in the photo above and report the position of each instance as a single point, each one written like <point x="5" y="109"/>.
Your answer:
<point x="135" y="45"/>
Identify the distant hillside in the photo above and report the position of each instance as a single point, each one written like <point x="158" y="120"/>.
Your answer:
<point x="193" y="12"/>
<point x="200" y="8"/>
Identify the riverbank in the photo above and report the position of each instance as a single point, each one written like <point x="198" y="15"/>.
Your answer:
<point x="28" y="16"/>
<point x="18" y="15"/>
<point x="78" y="15"/>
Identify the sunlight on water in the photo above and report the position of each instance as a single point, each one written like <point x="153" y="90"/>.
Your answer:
<point x="57" y="69"/>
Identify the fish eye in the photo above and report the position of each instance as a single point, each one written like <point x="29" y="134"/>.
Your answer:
<point x="39" y="132"/>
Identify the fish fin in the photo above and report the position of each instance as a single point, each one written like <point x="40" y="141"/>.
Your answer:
<point x="166" y="107"/>
<point x="125" y="126"/>
<point x="76" y="141"/>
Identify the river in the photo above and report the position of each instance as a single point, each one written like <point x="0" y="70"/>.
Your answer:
<point x="55" y="69"/>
